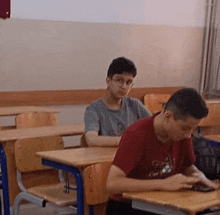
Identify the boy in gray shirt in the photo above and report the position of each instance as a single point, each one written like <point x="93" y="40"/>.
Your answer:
<point x="108" y="117"/>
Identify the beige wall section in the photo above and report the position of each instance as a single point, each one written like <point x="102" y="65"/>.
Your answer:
<point x="56" y="55"/>
<point x="53" y="55"/>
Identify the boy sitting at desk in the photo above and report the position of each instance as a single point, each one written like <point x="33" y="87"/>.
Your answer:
<point x="107" y="118"/>
<point x="159" y="149"/>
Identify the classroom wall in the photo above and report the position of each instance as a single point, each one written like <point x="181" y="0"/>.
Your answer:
<point x="53" y="44"/>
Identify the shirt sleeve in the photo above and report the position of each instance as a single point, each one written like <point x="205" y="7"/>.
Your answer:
<point x="129" y="152"/>
<point x="142" y="110"/>
<point x="91" y="120"/>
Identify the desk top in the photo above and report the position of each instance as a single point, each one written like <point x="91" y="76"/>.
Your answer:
<point x="80" y="156"/>
<point x="13" y="111"/>
<point x="188" y="201"/>
<point x="215" y="137"/>
<point x="212" y="101"/>
<point x="44" y="131"/>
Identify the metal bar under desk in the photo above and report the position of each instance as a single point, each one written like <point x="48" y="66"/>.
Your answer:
<point x="79" y="182"/>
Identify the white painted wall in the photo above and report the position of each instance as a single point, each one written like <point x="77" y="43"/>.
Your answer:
<point x="151" y="12"/>
<point x="177" y="13"/>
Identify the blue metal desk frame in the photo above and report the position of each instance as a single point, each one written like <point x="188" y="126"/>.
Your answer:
<point x="79" y="182"/>
<point x="5" y="188"/>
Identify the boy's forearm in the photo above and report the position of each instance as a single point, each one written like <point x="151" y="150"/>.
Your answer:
<point x="190" y="170"/>
<point x="130" y="185"/>
<point x="103" y="141"/>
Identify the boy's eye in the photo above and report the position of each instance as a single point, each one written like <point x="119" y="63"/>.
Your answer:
<point x="129" y="83"/>
<point x="121" y="81"/>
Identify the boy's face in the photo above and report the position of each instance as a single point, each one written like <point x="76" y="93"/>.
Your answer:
<point x="120" y="84"/>
<point x="180" y="129"/>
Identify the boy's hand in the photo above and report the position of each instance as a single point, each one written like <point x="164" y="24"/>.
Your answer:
<point x="203" y="180"/>
<point x="178" y="182"/>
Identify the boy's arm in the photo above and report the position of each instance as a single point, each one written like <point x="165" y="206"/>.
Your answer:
<point x="117" y="182"/>
<point x="193" y="171"/>
<point x="93" y="139"/>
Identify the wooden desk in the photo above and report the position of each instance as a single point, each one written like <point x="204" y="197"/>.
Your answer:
<point x="80" y="157"/>
<point x="44" y="131"/>
<point x="13" y="111"/>
<point x="174" y="203"/>
<point x="215" y="137"/>
<point x="15" y="134"/>
<point x="71" y="159"/>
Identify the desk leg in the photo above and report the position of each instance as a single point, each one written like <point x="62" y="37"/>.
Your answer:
<point x="79" y="182"/>
<point x="5" y="188"/>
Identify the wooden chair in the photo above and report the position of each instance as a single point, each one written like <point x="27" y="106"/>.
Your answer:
<point x="27" y="161"/>
<point x="211" y="124"/>
<point x="36" y="119"/>
<point x="154" y="102"/>
<point x="96" y="195"/>
<point x="27" y="120"/>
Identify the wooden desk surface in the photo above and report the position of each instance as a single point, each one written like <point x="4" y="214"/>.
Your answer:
<point x="80" y="156"/>
<point x="188" y="201"/>
<point x="215" y="137"/>
<point x="22" y="133"/>
<point x="13" y="111"/>
<point x="212" y="101"/>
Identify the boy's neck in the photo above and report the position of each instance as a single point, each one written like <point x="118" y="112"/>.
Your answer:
<point x="160" y="130"/>
<point x="112" y="102"/>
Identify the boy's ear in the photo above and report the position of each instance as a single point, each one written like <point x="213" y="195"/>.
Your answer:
<point x="108" y="79"/>
<point x="168" y="114"/>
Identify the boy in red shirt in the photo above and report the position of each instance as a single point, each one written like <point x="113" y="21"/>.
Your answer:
<point x="156" y="153"/>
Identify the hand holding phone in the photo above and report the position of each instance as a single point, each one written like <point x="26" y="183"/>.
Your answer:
<point x="202" y="188"/>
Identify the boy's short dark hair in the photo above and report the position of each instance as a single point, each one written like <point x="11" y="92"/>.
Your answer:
<point x="121" y="65"/>
<point x="187" y="102"/>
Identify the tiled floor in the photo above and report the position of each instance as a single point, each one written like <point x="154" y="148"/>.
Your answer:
<point x="30" y="209"/>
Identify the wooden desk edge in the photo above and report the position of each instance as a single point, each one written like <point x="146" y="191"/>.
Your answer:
<point x="193" y="210"/>
<point x="25" y="133"/>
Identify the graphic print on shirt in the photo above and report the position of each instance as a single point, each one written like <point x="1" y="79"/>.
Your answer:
<point x="121" y="128"/>
<point x="164" y="168"/>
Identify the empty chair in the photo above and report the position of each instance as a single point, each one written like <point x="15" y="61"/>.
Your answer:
<point x="211" y="124"/>
<point x="27" y="161"/>
<point x="96" y="195"/>
<point x="35" y="119"/>
<point x="155" y="102"/>
<point x="36" y="174"/>
<point x="27" y="120"/>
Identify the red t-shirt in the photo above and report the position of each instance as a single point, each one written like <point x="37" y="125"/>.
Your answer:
<point x="142" y="156"/>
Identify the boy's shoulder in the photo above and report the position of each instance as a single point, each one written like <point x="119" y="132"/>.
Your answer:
<point x="132" y="101"/>
<point x="96" y="104"/>
<point x="144" y="123"/>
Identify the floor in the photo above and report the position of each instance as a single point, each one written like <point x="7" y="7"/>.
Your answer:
<point x="50" y="209"/>
<point x="30" y="209"/>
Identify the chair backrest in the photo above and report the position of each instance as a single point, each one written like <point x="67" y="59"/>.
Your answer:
<point x="25" y="149"/>
<point x="36" y="119"/>
<point x="25" y="152"/>
<point x="95" y="177"/>
<point x="154" y="102"/>
<point x="213" y="118"/>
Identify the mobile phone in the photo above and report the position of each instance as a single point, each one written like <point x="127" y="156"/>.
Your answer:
<point x="202" y="188"/>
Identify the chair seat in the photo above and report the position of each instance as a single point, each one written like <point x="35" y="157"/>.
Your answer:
<point x="55" y="193"/>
